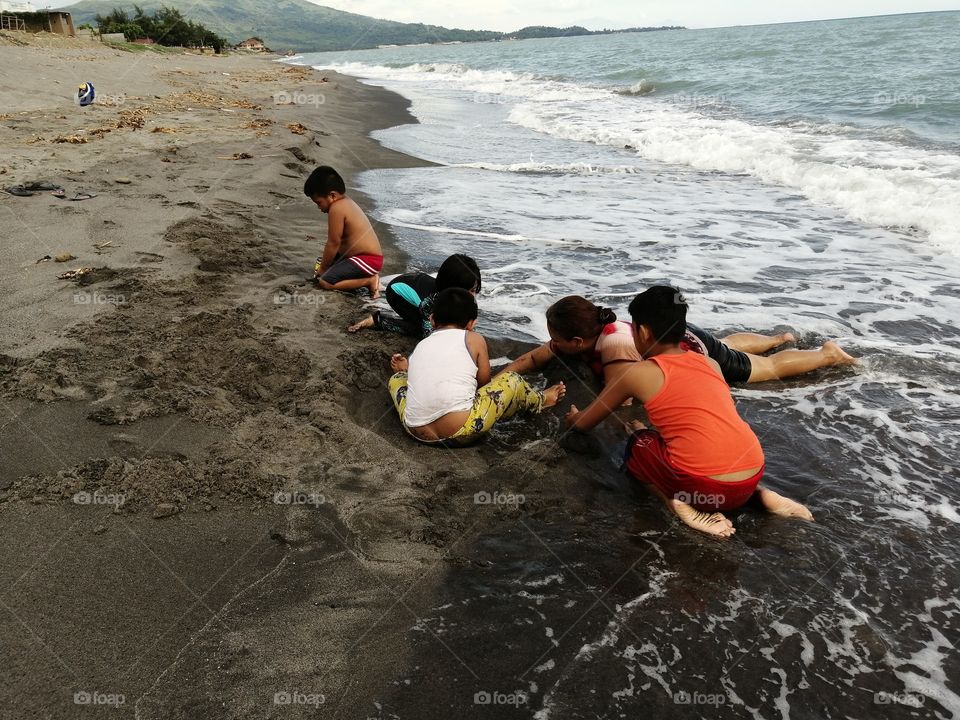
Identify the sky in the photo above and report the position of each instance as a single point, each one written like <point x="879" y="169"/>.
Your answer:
<point x="596" y="14"/>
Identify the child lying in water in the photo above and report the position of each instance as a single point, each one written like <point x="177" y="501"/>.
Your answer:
<point x="703" y="458"/>
<point x="444" y="394"/>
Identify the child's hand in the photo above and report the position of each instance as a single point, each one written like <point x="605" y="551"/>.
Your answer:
<point x="571" y="416"/>
<point x="398" y="363"/>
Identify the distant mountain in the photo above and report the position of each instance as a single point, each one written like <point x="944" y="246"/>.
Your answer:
<point x="302" y="26"/>
<point x="289" y="24"/>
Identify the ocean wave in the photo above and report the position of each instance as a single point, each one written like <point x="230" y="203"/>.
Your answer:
<point x="644" y="87"/>
<point x="873" y="180"/>
<point x="535" y="168"/>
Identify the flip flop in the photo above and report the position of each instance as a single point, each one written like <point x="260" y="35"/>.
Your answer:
<point x="61" y="193"/>
<point x="19" y="191"/>
<point x="41" y="185"/>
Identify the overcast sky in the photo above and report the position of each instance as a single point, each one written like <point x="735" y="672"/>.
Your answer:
<point x="596" y="14"/>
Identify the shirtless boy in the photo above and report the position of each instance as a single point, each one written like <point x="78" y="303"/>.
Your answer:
<point x="352" y="257"/>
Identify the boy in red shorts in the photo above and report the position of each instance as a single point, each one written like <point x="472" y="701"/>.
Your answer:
<point x="352" y="257"/>
<point x="703" y="458"/>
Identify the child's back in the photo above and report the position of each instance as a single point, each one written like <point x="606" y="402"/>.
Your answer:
<point x="359" y="237"/>
<point x="696" y="415"/>
<point x="442" y="377"/>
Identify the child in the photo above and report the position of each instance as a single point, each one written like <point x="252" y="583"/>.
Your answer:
<point x="352" y="257"/>
<point x="436" y="392"/>
<point x="412" y="296"/>
<point x="703" y="457"/>
<point x="578" y="327"/>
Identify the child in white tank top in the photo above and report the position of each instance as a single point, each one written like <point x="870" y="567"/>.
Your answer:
<point x="444" y="393"/>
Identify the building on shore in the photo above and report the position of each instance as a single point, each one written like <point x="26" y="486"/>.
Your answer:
<point x="23" y="17"/>
<point x="254" y="43"/>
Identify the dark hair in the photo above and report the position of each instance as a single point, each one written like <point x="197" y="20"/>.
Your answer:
<point x="323" y="181"/>
<point x="454" y="306"/>
<point x="458" y="271"/>
<point x="574" y="316"/>
<point x="663" y="309"/>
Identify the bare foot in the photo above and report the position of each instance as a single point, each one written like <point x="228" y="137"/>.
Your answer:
<point x="374" y="287"/>
<point x="634" y="426"/>
<point x="711" y="523"/>
<point x="553" y="394"/>
<point x="398" y="363"/>
<point x="783" y="506"/>
<point x="367" y="322"/>
<point x="837" y="355"/>
<point x="784" y="338"/>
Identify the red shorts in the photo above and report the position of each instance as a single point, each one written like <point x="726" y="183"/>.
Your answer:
<point x="647" y="462"/>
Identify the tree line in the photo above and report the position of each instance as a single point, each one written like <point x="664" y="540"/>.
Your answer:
<point x="167" y="26"/>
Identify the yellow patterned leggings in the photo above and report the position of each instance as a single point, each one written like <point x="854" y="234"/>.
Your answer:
<point x="501" y="398"/>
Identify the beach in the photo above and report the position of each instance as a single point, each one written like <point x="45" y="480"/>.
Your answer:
<point x="206" y="498"/>
<point x="208" y="507"/>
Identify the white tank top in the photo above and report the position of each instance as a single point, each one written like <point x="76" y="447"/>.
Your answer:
<point x="441" y="378"/>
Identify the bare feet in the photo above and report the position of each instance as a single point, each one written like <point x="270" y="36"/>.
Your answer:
<point x="784" y="338"/>
<point x="634" y="426"/>
<point x="398" y="363"/>
<point x="783" y="506"/>
<point x="711" y="523"/>
<point x="837" y="355"/>
<point x="374" y="287"/>
<point x="367" y="322"/>
<point x="553" y="394"/>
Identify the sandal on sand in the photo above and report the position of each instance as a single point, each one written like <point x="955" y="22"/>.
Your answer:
<point x="39" y="185"/>
<point x="28" y="189"/>
<point x="61" y="193"/>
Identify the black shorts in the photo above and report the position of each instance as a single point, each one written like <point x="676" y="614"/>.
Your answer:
<point x="735" y="365"/>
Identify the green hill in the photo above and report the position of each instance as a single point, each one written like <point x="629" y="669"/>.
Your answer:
<point x="302" y="26"/>
<point x="289" y="24"/>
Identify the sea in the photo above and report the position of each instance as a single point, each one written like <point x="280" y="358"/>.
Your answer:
<point x="801" y="177"/>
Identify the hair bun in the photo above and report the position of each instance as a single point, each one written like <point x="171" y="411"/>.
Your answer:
<point x="606" y="316"/>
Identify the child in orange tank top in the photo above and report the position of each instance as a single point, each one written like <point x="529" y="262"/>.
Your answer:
<point x="703" y="457"/>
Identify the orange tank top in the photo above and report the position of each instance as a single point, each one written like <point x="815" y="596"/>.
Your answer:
<point x="695" y="415"/>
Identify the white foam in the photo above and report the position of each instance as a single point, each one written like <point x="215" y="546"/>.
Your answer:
<point x="873" y="181"/>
